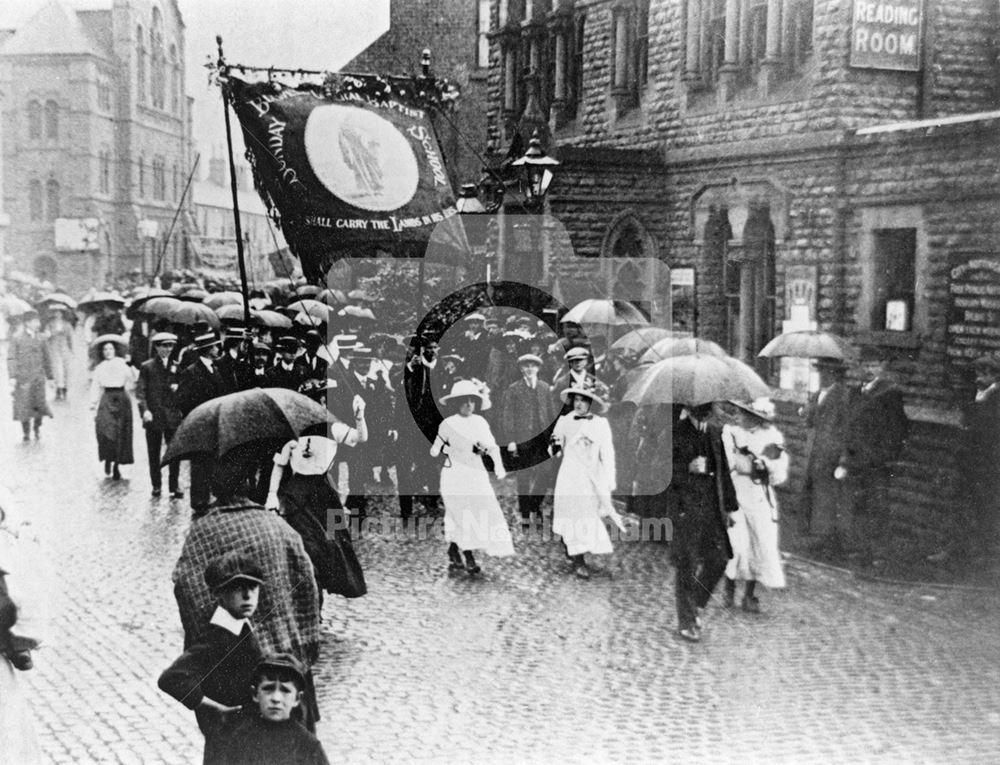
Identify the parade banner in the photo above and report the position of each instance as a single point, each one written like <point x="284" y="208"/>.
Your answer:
<point x="348" y="167"/>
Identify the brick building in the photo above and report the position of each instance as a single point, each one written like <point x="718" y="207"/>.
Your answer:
<point x="455" y="31"/>
<point x="96" y="140"/>
<point x="793" y="163"/>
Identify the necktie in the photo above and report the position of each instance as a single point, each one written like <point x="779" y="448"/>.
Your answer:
<point x="583" y="416"/>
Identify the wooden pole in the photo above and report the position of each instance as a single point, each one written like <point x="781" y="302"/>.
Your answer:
<point x="244" y="287"/>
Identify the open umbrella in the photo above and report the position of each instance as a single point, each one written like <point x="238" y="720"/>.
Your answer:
<point x="360" y="296"/>
<point x="606" y="312"/>
<point x="808" y="344"/>
<point x="218" y="299"/>
<point x="12" y="305"/>
<point x="138" y="302"/>
<point x="317" y="313"/>
<point x="332" y="297"/>
<point x="233" y="313"/>
<point x="159" y="306"/>
<point x="193" y="313"/>
<point x="304" y="319"/>
<point x="98" y="300"/>
<point x="682" y="346"/>
<point x="305" y="304"/>
<point x="640" y="340"/>
<point x="271" y="319"/>
<point x="57" y="297"/>
<point x="357" y="312"/>
<point x="193" y="296"/>
<point x="694" y="380"/>
<point x="225" y="422"/>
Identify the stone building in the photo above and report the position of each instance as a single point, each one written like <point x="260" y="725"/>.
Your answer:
<point x="455" y="32"/>
<point x="793" y="163"/>
<point x="96" y="140"/>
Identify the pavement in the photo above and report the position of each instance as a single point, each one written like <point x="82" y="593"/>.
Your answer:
<point x="525" y="664"/>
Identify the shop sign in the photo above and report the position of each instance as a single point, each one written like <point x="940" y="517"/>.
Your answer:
<point x="973" y="306"/>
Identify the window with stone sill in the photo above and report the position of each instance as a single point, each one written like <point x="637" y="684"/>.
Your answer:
<point x="52" y="199"/>
<point x="51" y="121"/>
<point x="741" y="35"/>
<point x="629" y="52"/>
<point x="482" y="34"/>
<point x="140" y="65"/>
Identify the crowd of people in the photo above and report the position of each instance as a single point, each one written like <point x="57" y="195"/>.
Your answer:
<point x="445" y="417"/>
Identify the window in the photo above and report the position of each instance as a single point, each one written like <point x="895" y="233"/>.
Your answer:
<point x="630" y="53"/>
<point x="159" y="179"/>
<point x="482" y="34"/>
<point x="575" y="95"/>
<point x="800" y="32"/>
<point x="142" y="177"/>
<point x="52" y="199"/>
<point x="104" y="171"/>
<point x="52" y="120"/>
<point x="715" y="39"/>
<point x="895" y="251"/>
<point x="756" y="34"/>
<point x="34" y="120"/>
<point x="140" y="65"/>
<point x="157" y="70"/>
<point x="35" y="200"/>
<point x="175" y="81"/>
<point x="176" y="182"/>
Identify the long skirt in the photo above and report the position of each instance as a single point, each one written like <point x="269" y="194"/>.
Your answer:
<point x="472" y="516"/>
<point x="114" y="427"/>
<point x="29" y="401"/>
<point x="18" y="739"/>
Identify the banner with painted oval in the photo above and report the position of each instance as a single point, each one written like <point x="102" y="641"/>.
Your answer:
<point x="350" y="170"/>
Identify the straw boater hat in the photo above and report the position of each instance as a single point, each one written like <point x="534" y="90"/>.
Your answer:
<point x="453" y="356"/>
<point x="475" y="317"/>
<point x="597" y="402"/>
<point x="762" y="408"/>
<point x="529" y="358"/>
<point x="207" y="340"/>
<point x="576" y="352"/>
<point x="463" y="389"/>
<point x="163" y="337"/>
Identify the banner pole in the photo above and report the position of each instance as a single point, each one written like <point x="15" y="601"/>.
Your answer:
<point x="245" y="289"/>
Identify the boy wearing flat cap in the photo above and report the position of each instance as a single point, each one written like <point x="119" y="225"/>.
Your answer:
<point x="269" y="734"/>
<point x="213" y="677"/>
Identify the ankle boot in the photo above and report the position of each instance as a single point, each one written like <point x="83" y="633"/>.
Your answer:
<point x="580" y="567"/>
<point x="729" y="596"/>
<point x="455" y="558"/>
<point x="470" y="563"/>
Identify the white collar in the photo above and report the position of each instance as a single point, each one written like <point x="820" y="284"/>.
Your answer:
<point x="287" y="366"/>
<point x="209" y="363"/>
<point x="222" y="618"/>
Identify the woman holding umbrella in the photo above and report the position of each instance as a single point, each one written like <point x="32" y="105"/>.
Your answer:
<point x="59" y="338"/>
<point x="114" y="407"/>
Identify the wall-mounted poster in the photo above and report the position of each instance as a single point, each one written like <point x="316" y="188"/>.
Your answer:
<point x="973" y="306"/>
<point x="800" y="314"/>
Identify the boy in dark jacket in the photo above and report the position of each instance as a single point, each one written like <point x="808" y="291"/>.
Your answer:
<point x="213" y="677"/>
<point x="268" y="734"/>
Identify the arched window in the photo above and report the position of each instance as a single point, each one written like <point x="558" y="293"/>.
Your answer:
<point x="34" y="120"/>
<point x="52" y="120"/>
<point x="157" y="74"/>
<point x="142" y="177"/>
<point x="35" y="200"/>
<point x="52" y="199"/>
<point x="140" y="65"/>
<point x="104" y="172"/>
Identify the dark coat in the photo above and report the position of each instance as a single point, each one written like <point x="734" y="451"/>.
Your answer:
<point x="255" y="741"/>
<point x="291" y="379"/>
<point x="691" y="493"/>
<point x="315" y="366"/>
<point x="525" y="413"/>
<point x="877" y="429"/>
<point x="828" y="425"/>
<point x="236" y="373"/>
<point x="29" y="365"/>
<point x="154" y="394"/>
<point x="196" y="385"/>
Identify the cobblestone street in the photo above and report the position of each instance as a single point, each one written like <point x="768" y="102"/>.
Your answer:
<point x="526" y="664"/>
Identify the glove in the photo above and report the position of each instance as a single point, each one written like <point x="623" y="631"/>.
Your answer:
<point x="840" y="472"/>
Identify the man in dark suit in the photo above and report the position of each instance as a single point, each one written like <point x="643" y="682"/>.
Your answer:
<point x="233" y="364"/>
<point x="416" y="421"/>
<point x="315" y="365"/>
<point x="699" y="499"/>
<point x="527" y="415"/>
<point x="156" y="394"/>
<point x="201" y="381"/>
<point x="578" y="373"/>
<point x="289" y="372"/>
<point x="875" y="437"/>
<point x="979" y="496"/>
<point x="828" y="417"/>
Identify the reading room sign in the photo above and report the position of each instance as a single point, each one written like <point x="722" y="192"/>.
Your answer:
<point x="887" y="35"/>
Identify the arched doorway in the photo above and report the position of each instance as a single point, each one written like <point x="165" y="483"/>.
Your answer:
<point x="629" y="260"/>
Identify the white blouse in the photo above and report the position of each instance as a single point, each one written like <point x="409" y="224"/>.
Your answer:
<point x="110" y="373"/>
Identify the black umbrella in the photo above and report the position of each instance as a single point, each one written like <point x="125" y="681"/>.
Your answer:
<point x="259" y="414"/>
<point x="98" y="300"/>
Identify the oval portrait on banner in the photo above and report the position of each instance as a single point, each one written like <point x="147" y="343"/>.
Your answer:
<point x="361" y="157"/>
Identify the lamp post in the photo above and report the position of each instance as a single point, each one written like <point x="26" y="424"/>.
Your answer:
<point x="536" y="173"/>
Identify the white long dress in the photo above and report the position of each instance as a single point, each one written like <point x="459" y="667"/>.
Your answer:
<point x="473" y="519"/>
<point x="583" y="487"/>
<point x="754" y="533"/>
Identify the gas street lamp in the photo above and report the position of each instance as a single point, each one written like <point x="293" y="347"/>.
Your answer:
<point x="536" y="172"/>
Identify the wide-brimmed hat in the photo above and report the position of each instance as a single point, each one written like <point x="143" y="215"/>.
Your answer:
<point x="596" y="400"/>
<point x="163" y="337"/>
<point x="205" y="341"/>
<point x="453" y="357"/>
<point x="529" y="358"/>
<point x="576" y="352"/>
<point x="345" y="342"/>
<point x="230" y="567"/>
<point x="475" y="317"/>
<point x="762" y="408"/>
<point x="463" y="389"/>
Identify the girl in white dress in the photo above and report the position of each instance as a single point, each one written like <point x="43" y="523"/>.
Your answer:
<point x="109" y="396"/>
<point x="758" y="461"/>
<point x="473" y="519"/>
<point x="582" y="496"/>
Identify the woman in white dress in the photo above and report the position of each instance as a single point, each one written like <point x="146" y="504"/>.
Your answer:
<point x="109" y="397"/>
<point x="473" y="519"/>
<point x="758" y="461"/>
<point x="60" y="341"/>
<point x="582" y="496"/>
